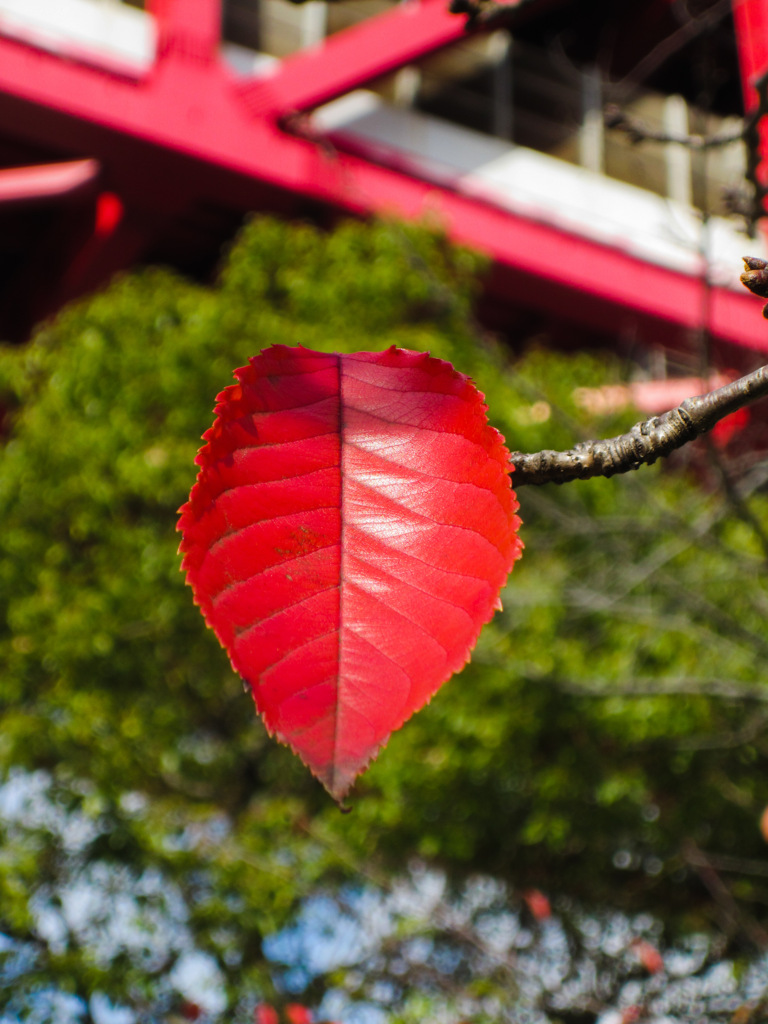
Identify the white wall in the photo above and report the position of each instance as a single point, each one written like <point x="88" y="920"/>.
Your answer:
<point x="120" y="33"/>
<point x="542" y="187"/>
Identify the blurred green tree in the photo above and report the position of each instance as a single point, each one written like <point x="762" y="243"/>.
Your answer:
<point x="606" y="744"/>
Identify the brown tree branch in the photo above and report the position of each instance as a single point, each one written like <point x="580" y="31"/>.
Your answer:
<point x="645" y="442"/>
<point x="694" y="686"/>
<point x="487" y="14"/>
<point x="734" y="920"/>
<point x="638" y="131"/>
<point x="694" y="26"/>
<point x="654" y="438"/>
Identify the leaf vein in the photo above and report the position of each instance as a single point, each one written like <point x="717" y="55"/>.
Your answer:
<point x="421" y="561"/>
<point x="304" y="643"/>
<point x="268" y="519"/>
<point x="425" y="518"/>
<point x="287" y="561"/>
<point x="239" y="633"/>
<point x="399" y="613"/>
<point x="440" y="431"/>
<point x="418" y="472"/>
<point x="412" y="586"/>
<point x="277" y="480"/>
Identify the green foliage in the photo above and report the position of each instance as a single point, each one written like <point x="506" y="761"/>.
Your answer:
<point x="135" y="731"/>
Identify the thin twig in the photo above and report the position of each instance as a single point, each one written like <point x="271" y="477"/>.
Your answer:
<point x="736" y="501"/>
<point x="672" y="44"/>
<point x="486" y="13"/>
<point x="735" y="920"/>
<point x="683" y="687"/>
<point x="752" y="729"/>
<point x="639" y="131"/>
<point x="738" y="865"/>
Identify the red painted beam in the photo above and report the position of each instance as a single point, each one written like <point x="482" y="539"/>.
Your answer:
<point x="750" y="18"/>
<point x="352" y="58"/>
<point x="208" y="124"/>
<point x="191" y="28"/>
<point x="187" y="72"/>
<point x="190" y="105"/>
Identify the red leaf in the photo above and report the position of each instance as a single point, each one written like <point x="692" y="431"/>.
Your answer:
<point x="631" y="1014"/>
<point x="265" y="1014"/>
<point x="764" y="824"/>
<point x="650" y="958"/>
<point x="538" y="904"/>
<point x="298" y="1014"/>
<point x="351" y="526"/>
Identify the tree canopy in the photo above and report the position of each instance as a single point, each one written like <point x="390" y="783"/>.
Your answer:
<point x="606" y="745"/>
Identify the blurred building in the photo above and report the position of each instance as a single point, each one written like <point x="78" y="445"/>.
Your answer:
<point x="134" y="132"/>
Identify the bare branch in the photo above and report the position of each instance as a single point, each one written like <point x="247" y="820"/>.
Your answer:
<point x="722" y="689"/>
<point x="737" y="502"/>
<point x="486" y="13"/>
<point x="645" y="442"/>
<point x="654" y="438"/>
<point x="639" y="131"/>
<point x="734" y="920"/>
<point x="737" y="865"/>
<point x="690" y="29"/>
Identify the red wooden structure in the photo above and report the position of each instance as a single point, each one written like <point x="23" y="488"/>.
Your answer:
<point x="142" y="161"/>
